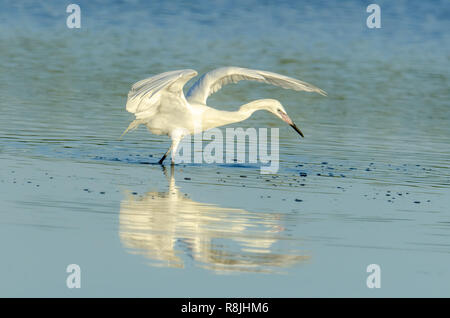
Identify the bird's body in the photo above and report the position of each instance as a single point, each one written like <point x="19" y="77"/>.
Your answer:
<point x="159" y="102"/>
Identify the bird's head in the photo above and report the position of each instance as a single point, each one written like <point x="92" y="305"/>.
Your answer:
<point x="278" y="110"/>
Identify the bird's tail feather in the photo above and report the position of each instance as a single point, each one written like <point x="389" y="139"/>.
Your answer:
<point x="133" y="125"/>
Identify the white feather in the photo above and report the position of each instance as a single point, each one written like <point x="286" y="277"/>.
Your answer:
<point x="213" y="81"/>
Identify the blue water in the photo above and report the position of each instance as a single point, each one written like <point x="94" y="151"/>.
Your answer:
<point x="370" y="183"/>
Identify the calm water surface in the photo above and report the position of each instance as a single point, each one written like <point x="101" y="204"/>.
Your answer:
<point x="370" y="183"/>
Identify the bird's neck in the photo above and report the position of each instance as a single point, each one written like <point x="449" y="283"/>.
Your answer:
<point x="216" y="118"/>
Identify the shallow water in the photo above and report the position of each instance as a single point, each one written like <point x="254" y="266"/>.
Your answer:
<point x="370" y="183"/>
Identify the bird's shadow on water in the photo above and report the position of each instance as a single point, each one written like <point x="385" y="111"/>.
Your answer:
<point x="131" y="159"/>
<point x="170" y="229"/>
<point x="142" y="160"/>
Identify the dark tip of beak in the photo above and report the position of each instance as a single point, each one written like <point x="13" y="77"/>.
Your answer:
<point x="297" y="130"/>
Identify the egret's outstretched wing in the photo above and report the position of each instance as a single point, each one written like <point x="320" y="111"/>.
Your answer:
<point x="165" y="89"/>
<point x="146" y="97"/>
<point x="212" y="81"/>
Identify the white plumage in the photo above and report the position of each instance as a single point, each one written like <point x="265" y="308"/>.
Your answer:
<point x="160" y="104"/>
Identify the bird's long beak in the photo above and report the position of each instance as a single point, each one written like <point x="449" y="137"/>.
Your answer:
<point x="289" y="121"/>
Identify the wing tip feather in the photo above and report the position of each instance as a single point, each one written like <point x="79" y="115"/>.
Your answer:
<point x="322" y="92"/>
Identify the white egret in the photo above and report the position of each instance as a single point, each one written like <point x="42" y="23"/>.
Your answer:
<point x="159" y="102"/>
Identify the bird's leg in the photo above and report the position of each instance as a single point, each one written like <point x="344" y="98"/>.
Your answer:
<point x="173" y="147"/>
<point x="175" y="143"/>
<point x="176" y="138"/>
<point x="164" y="157"/>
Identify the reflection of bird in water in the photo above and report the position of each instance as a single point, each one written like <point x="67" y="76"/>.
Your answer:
<point x="159" y="102"/>
<point x="163" y="226"/>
